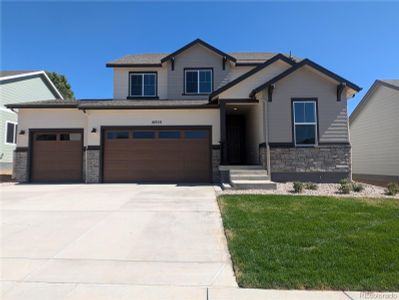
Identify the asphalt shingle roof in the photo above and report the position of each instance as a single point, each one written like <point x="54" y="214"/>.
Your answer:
<point x="15" y="72"/>
<point x="111" y="103"/>
<point x="394" y="82"/>
<point x="155" y="58"/>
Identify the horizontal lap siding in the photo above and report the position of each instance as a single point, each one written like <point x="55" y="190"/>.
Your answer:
<point x="375" y="135"/>
<point x="305" y="83"/>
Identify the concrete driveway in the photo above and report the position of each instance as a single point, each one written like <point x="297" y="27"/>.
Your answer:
<point x="111" y="242"/>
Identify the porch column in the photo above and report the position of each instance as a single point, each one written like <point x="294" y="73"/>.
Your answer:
<point x="223" y="132"/>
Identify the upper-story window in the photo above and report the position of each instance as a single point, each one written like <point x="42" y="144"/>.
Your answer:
<point x="143" y="84"/>
<point x="305" y="122"/>
<point x="198" y="81"/>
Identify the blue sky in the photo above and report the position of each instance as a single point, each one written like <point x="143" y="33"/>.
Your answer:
<point x="357" y="40"/>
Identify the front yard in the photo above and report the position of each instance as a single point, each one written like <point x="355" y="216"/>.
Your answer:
<point x="305" y="242"/>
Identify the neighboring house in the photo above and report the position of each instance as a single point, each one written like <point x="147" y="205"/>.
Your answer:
<point x="191" y="114"/>
<point x="19" y="87"/>
<point x="374" y="131"/>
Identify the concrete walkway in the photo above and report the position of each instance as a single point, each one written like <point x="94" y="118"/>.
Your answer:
<point x="90" y="241"/>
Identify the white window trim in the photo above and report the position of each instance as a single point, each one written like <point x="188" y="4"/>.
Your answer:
<point x="198" y="81"/>
<point x="6" y="133"/>
<point x="305" y="123"/>
<point x="142" y="84"/>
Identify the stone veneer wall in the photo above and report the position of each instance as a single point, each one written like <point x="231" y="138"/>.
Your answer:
<point x="216" y="157"/>
<point x="324" y="163"/>
<point x="92" y="165"/>
<point x="20" y="166"/>
<point x="262" y="155"/>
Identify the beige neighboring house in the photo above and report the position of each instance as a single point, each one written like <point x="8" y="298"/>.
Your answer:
<point x="19" y="87"/>
<point x="374" y="131"/>
<point x="198" y="114"/>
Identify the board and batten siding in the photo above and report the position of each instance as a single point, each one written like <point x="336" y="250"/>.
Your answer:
<point x="18" y="91"/>
<point x="306" y="83"/>
<point x="375" y="134"/>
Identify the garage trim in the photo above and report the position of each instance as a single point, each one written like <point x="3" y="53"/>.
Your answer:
<point x="32" y="132"/>
<point x="144" y="127"/>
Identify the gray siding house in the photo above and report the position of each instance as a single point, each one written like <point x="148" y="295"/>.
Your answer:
<point x="19" y="87"/>
<point x="197" y="114"/>
<point x="374" y="130"/>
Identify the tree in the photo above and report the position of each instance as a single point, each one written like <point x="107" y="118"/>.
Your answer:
<point x="61" y="83"/>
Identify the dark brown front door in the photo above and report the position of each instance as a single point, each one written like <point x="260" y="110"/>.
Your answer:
<point x="235" y="135"/>
<point x="156" y="155"/>
<point x="57" y="156"/>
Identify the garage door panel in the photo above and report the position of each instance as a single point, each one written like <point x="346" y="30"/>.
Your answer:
<point x="157" y="159"/>
<point x="56" y="160"/>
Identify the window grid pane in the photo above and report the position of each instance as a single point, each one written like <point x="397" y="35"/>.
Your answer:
<point x="205" y="81"/>
<point x="305" y="134"/>
<point x="149" y="84"/>
<point x="169" y="134"/>
<point x="191" y="82"/>
<point x="136" y="85"/>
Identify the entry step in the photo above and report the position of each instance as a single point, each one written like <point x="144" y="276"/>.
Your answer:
<point x="254" y="184"/>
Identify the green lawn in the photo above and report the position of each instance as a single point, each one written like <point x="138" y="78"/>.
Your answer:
<point x="304" y="242"/>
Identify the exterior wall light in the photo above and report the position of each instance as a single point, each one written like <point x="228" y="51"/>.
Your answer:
<point x="93" y="130"/>
<point x="21" y="132"/>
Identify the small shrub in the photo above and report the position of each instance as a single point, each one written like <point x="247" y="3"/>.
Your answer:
<point x="345" y="186"/>
<point x="311" y="186"/>
<point x="298" y="187"/>
<point x="357" y="187"/>
<point x="392" y="188"/>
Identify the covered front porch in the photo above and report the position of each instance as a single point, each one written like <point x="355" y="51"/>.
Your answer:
<point x="243" y="153"/>
<point x="242" y="134"/>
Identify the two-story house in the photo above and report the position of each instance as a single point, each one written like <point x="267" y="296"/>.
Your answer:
<point x="191" y="116"/>
<point x="19" y="87"/>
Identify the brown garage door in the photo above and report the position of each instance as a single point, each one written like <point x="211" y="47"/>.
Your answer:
<point x="156" y="155"/>
<point x="57" y="157"/>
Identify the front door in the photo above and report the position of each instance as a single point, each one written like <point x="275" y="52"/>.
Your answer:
<point x="235" y="135"/>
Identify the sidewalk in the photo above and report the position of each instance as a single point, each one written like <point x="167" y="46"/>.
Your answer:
<point x="68" y="291"/>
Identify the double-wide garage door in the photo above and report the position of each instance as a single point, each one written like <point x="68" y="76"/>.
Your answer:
<point x="57" y="156"/>
<point x="180" y="154"/>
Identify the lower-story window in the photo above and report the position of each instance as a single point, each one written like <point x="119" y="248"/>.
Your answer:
<point x="11" y="133"/>
<point x="305" y="122"/>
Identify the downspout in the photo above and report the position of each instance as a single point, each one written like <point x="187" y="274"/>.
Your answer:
<point x="266" y="134"/>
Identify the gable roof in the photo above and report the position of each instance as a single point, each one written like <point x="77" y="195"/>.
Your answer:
<point x="297" y="66"/>
<point x="198" y="42"/>
<point x="251" y="72"/>
<point x="9" y="76"/>
<point x="393" y="84"/>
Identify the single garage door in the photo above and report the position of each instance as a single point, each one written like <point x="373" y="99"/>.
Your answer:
<point x="156" y="155"/>
<point x="57" y="157"/>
